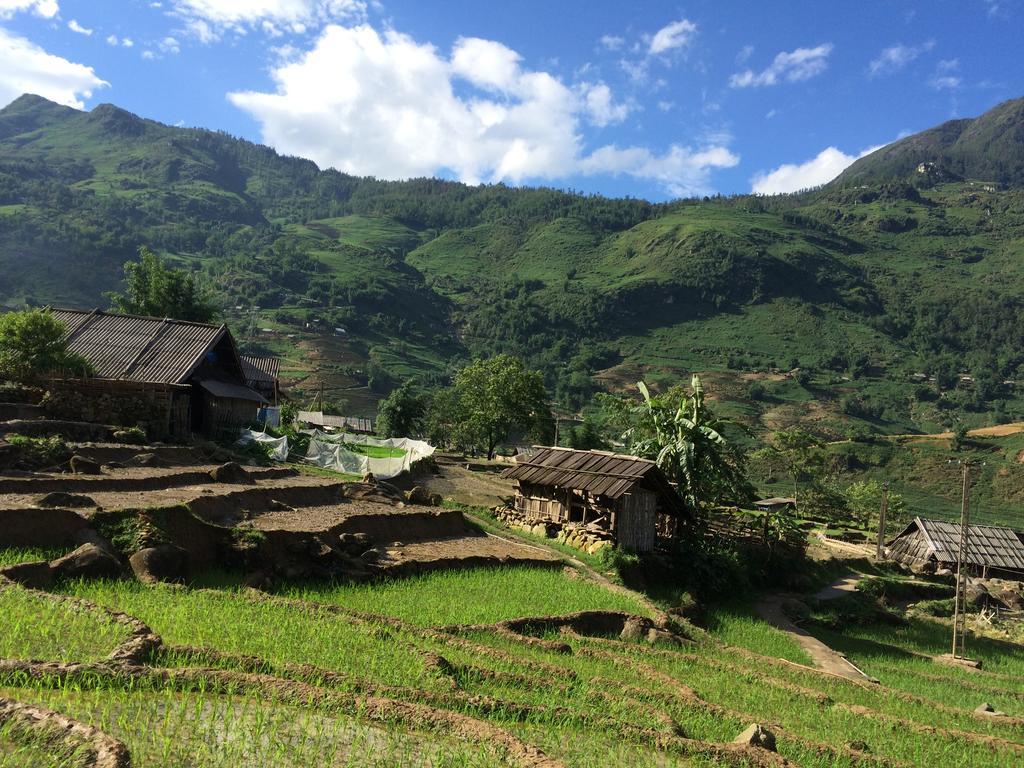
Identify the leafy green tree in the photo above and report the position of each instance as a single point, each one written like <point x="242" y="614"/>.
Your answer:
<point x="152" y="288"/>
<point x="495" y="397"/>
<point x="32" y="343"/>
<point x="681" y="433"/>
<point x="401" y="413"/>
<point x="864" y="499"/>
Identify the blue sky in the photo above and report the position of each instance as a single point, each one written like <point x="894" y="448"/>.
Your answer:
<point x="654" y="99"/>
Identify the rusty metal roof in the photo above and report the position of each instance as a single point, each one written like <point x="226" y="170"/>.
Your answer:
<point x="259" y="369"/>
<point x="986" y="544"/>
<point x="598" y="472"/>
<point x="143" y="349"/>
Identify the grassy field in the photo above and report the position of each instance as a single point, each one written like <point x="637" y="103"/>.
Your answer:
<point x="346" y="675"/>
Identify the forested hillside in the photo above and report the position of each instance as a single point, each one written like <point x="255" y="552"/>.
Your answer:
<point x="898" y="297"/>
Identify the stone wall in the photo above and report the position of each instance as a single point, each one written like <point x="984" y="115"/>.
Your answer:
<point x="589" y="538"/>
<point x="155" y="408"/>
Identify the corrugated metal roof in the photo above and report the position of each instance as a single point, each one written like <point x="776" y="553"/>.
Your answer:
<point x="318" y="419"/>
<point x="142" y="349"/>
<point x="598" y="472"/>
<point x="260" y="369"/>
<point x="986" y="545"/>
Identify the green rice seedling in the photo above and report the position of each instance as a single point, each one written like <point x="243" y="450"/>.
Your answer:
<point x="34" y="627"/>
<point x="739" y="625"/>
<point x="473" y="596"/>
<point x="16" y="555"/>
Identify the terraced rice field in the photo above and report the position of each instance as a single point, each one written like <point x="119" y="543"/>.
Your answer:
<point x="436" y="671"/>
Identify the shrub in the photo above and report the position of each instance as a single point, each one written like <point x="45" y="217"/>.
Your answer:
<point x="32" y="344"/>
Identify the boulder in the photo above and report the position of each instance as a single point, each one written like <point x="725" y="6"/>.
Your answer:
<point x="89" y="561"/>
<point x="65" y="500"/>
<point x="634" y="629"/>
<point x="795" y="610"/>
<point x="261" y="580"/>
<point x="144" y="460"/>
<point x="164" y="562"/>
<point x="977" y="594"/>
<point x="655" y="636"/>
<point x="354" y="543"/>
<point x="130" y="436"/>
<point x="756" y="735"/>
<point x="232" y="472"/>
<point x="35" y="575"/>
<point x="420" y="495"/>
<point x="80" y="465"/>
<point x="988" y="709"/>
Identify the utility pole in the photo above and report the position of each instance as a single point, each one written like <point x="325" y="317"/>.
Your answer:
<point x="959" y="602"/>
<point x="880" y="551"/>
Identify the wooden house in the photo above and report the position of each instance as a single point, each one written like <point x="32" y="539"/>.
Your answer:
<point x="627" y="496"/>
<point x="172" y="377"/>
<point x="991" y="551"/>
<point x="262" y="374"/>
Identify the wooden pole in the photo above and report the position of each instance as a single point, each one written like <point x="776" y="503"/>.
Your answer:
<point x="959" y="602"/>
<point x="880" y="551"/>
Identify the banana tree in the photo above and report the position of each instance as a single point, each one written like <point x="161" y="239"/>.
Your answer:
<point x="684" y="437"/>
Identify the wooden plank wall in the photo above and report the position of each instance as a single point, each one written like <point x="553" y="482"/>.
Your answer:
<point x="636" y="521"/>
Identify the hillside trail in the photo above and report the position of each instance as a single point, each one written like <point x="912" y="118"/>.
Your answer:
<point x="997" y="430"/>
<point x="826" y="659"/>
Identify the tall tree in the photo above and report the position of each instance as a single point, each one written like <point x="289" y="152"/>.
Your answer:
<point x="152" y="288"/>
<point x="495" y="397"/>
<point x="681" y="433"/>
<point x="401" y="413"/>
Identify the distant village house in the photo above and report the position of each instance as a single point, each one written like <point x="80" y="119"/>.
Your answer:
<point x="933" y="544"/>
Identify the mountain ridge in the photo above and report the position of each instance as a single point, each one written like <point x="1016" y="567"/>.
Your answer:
<point x="868" y="282"/>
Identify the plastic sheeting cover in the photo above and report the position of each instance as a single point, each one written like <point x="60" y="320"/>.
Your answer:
<point x="278" y="446"/>
<point x="329" y="451"/>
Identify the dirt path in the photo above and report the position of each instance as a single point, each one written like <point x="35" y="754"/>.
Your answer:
<point x="998" y="430"/>
<point x="824" y="658"/>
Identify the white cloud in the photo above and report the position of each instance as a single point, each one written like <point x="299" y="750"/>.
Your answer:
<point x="946" y="76"/>
<point x="74" y="26"/>
<point x="744" y="55"/>
<point x="209" y="19"/>
<point x="45" y="8"/>
<point x="612" y="42"/>
<point x="148" y="55"/>
<point x="681" y="170"/>
<point x="124" y="42"/>
<point x="896" y="57"/>
<point x="170" y="45"/>
<point x="791" y="66"/>
<point x="601" y="107"/>
<point x="792" y="177"/>
<point x="27" y="68"/>
<point x="383" y="104"/>
<point x="678" y="34"/>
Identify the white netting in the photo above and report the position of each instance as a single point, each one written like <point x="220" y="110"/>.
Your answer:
<point x="277" y="446"/>
<point x="329" y="451"/>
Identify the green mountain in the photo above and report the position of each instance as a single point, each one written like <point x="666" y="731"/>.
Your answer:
<point x="987" y="148"/>
<point x="358" y="283"/>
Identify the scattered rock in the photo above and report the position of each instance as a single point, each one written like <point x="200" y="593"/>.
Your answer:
<point x="164" y="562"/>
<point x="634" y="629"/>
<point x="64" y="499"/>
<point x="280" y="506"/>
<point x="420" y="495"/>
<point x="354" y="543"/>
<point x="757" y="735"/>
<point x="144" y="460"/>
<point x="655" y="636"/>
<point x="129" y="436"/>
<point x="83" y="466"/>
<point x="89" y="561"/>
<point x="988" y="709"/>
<point x="232" y="472"/>
<point x="36" y="575"/>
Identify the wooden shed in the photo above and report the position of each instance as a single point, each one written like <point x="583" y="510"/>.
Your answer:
<point x="627" y="496"/>
<point x="990" y="550"/>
